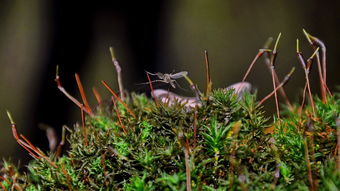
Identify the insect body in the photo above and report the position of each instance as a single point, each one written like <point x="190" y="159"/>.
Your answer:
<point x="169" y="78"/>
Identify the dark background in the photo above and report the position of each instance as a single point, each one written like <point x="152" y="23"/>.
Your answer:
<point x="161" y="35"/>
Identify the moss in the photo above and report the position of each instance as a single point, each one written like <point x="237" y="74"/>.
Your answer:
<point x="231" y="149"/>
<point x="226" y="142"/>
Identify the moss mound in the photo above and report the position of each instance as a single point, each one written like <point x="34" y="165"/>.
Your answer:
<point x="225" y="144"/>
<point x="221" y="140"/>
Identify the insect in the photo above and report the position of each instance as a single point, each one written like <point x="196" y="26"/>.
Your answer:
<point x="169" y="78"/>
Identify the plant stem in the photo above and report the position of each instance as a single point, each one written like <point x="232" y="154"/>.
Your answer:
<point x="119" y="73"/>
<point x="82" y="93"/>
<point x="122" y="102"/>
<point x="118" y="115"/>
<point x="284" y="81"/>
<point x="306" y="68"/>
<point x="187" y="165"/>
<point x="321" y="69"/>
<point x="83" y="127"/>
<point x="74" y="100"/>
<point x="277" y="81"/>
<point x="272" y="64"/>
<point x="207" y="70"/>
<point x="258" y="55"/>
<point x="309" y="170"/>
<point x="152" y="90"/>
<point x="97" y="95"/>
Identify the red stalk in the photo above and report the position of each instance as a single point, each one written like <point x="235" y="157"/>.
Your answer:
<point x="152" y="90"/>
<point x="115" y="95"/>
<point x="97" y="95"/>
<point x="82" y="93"/>
<point x="83" y="127"/>
<point x="118" y="115"/>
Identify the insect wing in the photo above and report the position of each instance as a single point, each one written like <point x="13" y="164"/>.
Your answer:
<point x="179" y="75"/>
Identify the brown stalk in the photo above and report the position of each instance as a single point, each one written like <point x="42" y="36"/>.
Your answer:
<point x="118" y="115"/>
<point x="310" y="94"/>
<point x="258" y="55"/>
<point x="119" y="73"/>
<point x="13" y="126"/>
<point x="67" y="176"/>
<point x="313" y="41"/>
<point x="309" y="169"/>
<point x="187" y="165"/>
<point x="303" y="98"/>
<point x="19" y="141"/>
<point x="62" y="142"/>
<point x="26" y="144"/>
<point x="167" y="98"/>
<point x="207" y="70"/>
<point x="102" y="162"/>
<point x="74" y="100"/>
<point x="277" y="81"/>
<point x="306" y="68"/>
<point x="115" y="95"/>
<point x="329" y="91"/>
<point x="97" y="95"/>
<point x="152" y="90"/>
<point x="38" y="152"/>
<point x="272" y="64"/>
<point x="284" y="82"/>
<point x="310" y="139"/>
<point x="28" y="150"/>
<point x="82" y="93"/>
<point x="275" y="94"/>
<point x="195" y="129"/>
<point x="268" y="63"/>
<point x="323" y="51"/>
<point x="83" y="127"/>
<point x="322" y="83"/>
<point x="35" y="149"/>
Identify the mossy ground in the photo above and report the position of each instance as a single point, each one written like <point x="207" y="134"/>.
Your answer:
<point x="226" y="142"/>
<point x="230" y="145"/>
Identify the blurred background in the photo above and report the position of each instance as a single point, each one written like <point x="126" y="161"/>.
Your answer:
<point x="157" y="36"/>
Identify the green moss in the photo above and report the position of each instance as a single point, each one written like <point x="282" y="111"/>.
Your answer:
<point x="231" y="150"/>
<point x="225" y="143"/>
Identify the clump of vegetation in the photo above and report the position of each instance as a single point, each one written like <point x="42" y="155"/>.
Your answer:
<point x="217" y="140"/>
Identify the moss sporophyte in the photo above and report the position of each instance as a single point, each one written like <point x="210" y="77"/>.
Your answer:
<point x="217" y="140"/>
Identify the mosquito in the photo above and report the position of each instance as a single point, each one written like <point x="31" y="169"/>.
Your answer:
<point x="169" y="78"/>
